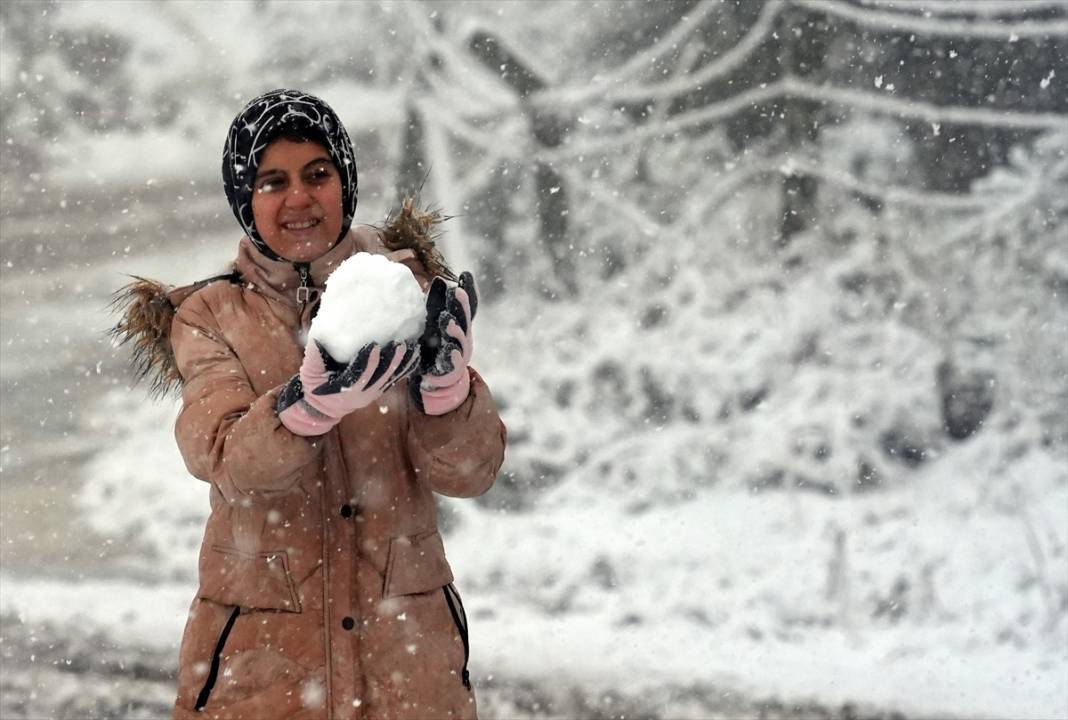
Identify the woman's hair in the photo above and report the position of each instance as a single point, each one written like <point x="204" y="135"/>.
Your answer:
<point x="296" y="116"/>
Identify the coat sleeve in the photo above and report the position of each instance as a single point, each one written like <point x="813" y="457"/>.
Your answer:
<point x="460" y="452"/>
<point x="228" y="435"/>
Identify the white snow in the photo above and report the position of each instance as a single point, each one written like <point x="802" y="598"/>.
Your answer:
<point x="368" y="299"/>
<point x="680" y="499"/>
<point x="129" y="612"/>
<point x="731" y="589"/>
<point x="165" y="512"/>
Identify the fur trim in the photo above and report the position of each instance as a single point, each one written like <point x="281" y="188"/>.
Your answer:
<point x="415" y="229"/>
<point x="145" y="323"/>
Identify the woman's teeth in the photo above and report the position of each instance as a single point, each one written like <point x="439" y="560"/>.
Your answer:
<point x="301" y="225"/>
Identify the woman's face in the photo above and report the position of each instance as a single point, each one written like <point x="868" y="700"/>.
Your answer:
<point x="296" y="200"/>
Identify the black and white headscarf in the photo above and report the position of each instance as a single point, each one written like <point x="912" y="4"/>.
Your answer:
<point x="260" y="122"/>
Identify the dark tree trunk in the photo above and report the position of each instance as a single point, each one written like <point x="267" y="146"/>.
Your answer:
<point x="549" y="131"/>
<point x="413" y="167"/>
<point x="804" y="45"/>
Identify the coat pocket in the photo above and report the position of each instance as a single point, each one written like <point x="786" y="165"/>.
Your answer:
<point x="213" y="670"/>
<point x="416" y="564"/>
<point x="260" y="581"/>
<point x="459" y="617"/>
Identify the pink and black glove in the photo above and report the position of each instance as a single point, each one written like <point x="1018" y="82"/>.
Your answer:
<point x="325" y="390"/>
<point x="442" y="381"/>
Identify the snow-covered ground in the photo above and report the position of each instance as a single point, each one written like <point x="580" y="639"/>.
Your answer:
<point x="760" y="595"/>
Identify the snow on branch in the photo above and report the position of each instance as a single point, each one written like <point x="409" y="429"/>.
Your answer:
<point x="932" y="26"/>
<point x="478" y="177"/>
<point x="573" y="94"/>
<point x="720" y="67"/>
<point x="917" y="110"/>
<point x="501" y="141"/>
<point x="977" y="8"/>
<point x="462" y="69"/>
<point x="715" y="192"/>
<point x="516" y="47"/>
<point x="678" y="123"/>
<point x="618" y="204"/>
<point x="800" y="89"/>
<point x="998" y="211"/>
<point x="888" y="194"/>
<point x="994" y="214"/>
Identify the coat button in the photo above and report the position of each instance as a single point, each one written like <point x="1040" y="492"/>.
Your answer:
<point x="348" y="623"/>
<point x="346" y="511"/>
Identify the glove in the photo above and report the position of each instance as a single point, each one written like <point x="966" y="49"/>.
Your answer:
<point x="442" y="381"/>
<point x="325" y="390"/>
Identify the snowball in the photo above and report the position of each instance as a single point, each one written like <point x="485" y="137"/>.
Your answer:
<point x="368" y="299"/>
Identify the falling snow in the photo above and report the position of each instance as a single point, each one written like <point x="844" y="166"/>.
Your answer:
<point x="774" y="308"/>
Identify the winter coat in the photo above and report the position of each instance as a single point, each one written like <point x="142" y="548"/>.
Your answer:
<point x="324" y="587"/>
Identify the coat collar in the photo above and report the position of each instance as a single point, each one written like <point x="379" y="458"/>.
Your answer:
<point x="279" y="279"/>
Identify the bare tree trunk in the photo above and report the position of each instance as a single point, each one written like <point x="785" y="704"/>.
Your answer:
<point x="549" y="131"/>
<point x="454" y="241"/>
<point x="412" y="169"/>
<point x="804" y="43"/>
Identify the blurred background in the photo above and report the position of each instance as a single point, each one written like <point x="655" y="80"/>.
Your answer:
<point x="776" y="311"/>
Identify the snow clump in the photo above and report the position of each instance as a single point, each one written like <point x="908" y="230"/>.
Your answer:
<point x="368" y="299"/>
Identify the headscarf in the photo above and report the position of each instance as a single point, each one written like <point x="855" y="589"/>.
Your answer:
<point x="260" y="122"/>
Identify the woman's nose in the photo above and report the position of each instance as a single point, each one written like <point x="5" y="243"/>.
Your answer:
<point x="298" y="196"/>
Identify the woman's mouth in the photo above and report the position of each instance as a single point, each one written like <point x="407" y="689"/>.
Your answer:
<point x="300" y="226"/>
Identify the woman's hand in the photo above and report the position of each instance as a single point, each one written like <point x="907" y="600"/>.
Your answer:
<point x="325" y="390"/>
<point x="442" y="382"/>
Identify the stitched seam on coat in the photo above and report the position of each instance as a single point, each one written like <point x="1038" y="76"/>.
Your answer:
<point x="466" y="442"/>
<point x="270" y="397"/>
<point x="228" y="550"/>
<point x="185" y="315"/>
<point x="356" y="635"/>
<point x="467" y="480"/>
<point x="324" y="554"/>
<point x="391" y="558"/>
<point x="196" y="321"/>
<point x="390" y="562"/>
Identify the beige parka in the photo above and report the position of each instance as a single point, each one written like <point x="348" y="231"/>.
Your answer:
<point x="324" y="588"/>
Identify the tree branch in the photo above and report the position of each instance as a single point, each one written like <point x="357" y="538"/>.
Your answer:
<point x="889" y="194"/>
<point x="599" y="84"/>
<point x="978" y="8"/>
<point x="463" y="70"/>
<point x="796" y="88"/>
<point x="925" y="26"/>
<point x="918" y="110"/>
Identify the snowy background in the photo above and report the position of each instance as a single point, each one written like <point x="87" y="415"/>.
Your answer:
<point x="776" y="310"/>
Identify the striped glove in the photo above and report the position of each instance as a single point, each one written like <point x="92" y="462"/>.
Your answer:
<point x="442" y="382"/>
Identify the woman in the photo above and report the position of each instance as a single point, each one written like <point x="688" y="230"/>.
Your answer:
<point x="324" y="587"/>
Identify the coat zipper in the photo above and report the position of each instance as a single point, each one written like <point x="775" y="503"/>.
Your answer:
<point x="213" y="673"/>
<point x="456" y="607"/>
<point x="304" y="290"/>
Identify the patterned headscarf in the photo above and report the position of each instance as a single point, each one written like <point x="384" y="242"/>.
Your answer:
<point x="260" y="122"/>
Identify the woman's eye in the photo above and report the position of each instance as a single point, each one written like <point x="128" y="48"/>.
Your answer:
<point x="269" y="185"/>
<point x="319" y="174"/>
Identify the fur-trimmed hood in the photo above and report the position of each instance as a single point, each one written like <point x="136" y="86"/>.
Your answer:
<point x="147" y="307"/>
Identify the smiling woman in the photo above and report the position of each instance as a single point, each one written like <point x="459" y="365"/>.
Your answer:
<point x="325" y="593"/>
